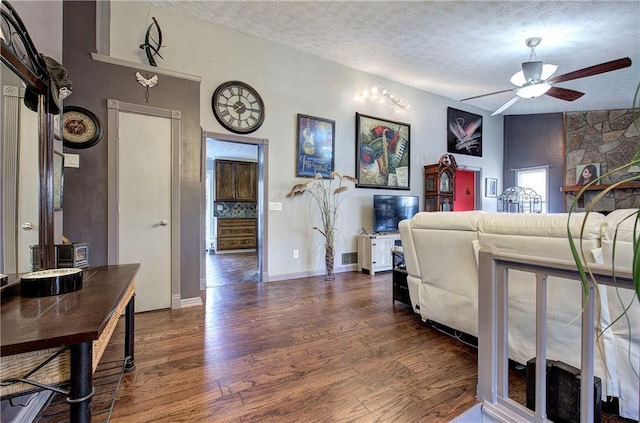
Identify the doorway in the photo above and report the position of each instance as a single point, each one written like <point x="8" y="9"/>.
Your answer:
<point x="226" y="264"/>
<point x="144" y="147"/>
<point x="466" y="190"/>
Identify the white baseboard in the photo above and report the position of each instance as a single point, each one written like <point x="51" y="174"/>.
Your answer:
<point x="319" y="272"/>
<point x="191" y="302"/>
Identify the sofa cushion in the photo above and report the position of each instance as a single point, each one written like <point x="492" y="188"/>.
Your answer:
<point x="455" y="221"/>
<point x="551" y="225"/>
<point x="617" y="221"/>
<point x="623" y="221"/>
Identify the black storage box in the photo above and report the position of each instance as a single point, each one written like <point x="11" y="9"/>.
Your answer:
<point x="563" y="392"/>
<point x="72" y="255"/>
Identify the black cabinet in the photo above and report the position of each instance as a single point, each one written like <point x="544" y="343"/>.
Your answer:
<point x="399" y="277"/>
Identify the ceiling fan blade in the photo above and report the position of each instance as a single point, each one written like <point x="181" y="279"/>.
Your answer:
<point x="593" y="70"/>
<point x="485" y="95"/>
<point x="506" y="105"/>
<point x="564" y="93"/>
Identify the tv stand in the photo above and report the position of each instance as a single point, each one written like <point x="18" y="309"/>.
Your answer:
<point x="374" y="252"/>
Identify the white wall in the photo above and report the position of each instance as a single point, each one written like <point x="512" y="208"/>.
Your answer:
<point x="291" y="82"/>
<point x="43" y="20"/>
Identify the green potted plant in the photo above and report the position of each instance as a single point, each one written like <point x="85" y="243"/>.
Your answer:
<point x="327" y="196"/>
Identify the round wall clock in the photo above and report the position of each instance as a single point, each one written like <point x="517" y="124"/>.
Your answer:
<point x="238" y="107"/>
<point x="80" y="127"/>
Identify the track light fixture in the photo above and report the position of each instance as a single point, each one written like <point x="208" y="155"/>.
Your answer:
<point x="375" y="92"/>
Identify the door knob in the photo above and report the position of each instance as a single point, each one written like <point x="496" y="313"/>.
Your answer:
<point x="163" y="222"/>
<point x="27" y="226"/>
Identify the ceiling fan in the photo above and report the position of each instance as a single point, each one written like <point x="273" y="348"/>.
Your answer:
<point x="537" y="78"/>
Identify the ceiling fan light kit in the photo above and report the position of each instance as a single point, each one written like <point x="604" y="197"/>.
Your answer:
<point x="546" y="71"/>
<point x="534" y="90"/>
<point x="537" y="78"/>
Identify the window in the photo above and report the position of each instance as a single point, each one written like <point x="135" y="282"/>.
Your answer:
<point x="536" y="179"/>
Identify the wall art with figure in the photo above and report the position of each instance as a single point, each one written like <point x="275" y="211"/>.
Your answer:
<point x="315" y="146"/>
<point x="587" y="173"/>
<point x="464" y="132"/>
<point x="382" y="153"/>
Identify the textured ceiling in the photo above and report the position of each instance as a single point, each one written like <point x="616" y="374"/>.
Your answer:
<point x="456" y="49"/>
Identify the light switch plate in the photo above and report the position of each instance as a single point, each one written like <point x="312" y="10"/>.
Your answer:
<point x="71" y="160"/>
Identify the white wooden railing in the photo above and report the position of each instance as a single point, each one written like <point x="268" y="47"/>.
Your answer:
<point x="493" y="310"/>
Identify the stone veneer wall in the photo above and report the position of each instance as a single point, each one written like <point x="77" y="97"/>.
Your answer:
<point x="607" y="137"/>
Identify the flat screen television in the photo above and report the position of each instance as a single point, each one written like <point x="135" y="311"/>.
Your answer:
<point x="389" y="210"/>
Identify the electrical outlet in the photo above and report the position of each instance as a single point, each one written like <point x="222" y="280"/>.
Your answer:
<point x="295" y="253"/>
<point x="275" y="206"/>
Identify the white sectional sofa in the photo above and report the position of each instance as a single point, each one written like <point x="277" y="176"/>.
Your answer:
<point x="440" y="252"/>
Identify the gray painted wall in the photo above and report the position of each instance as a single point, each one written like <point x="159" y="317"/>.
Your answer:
<point x="85" y="201"/>
<point x="536" y="140"/>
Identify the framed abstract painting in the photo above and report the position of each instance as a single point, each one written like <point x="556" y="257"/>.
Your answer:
<point x="464" y="132"/>
<point x="382" y="153"/>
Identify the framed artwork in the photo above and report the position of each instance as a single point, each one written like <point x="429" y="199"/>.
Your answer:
<point x="58" y="175"/>
<point x="382" y="153"/>
<point x="490" y="187"/>
<point x="464" y="132"/>
<point x="587" y="173"/>
<point x="315" y="152"/>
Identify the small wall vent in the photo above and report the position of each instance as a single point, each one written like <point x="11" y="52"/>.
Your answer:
<point x="349" y="258"/>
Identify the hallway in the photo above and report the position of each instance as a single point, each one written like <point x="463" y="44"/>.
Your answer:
<point x="232" y="268"/>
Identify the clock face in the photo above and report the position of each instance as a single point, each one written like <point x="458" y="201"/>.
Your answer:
<point x="238" y="107"/>
<point x="80" y="128"/>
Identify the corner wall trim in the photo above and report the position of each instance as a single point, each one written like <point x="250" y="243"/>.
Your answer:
<point x="176" y="302"/>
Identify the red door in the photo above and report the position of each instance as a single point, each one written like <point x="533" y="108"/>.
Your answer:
<point x="465" y="191"/>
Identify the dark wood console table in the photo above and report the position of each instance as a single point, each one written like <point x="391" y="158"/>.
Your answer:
<point x="82" y="320"/>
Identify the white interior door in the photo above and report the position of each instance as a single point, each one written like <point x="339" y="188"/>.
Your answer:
<point x="28" y="188"/>
<point x="144" y="205"/>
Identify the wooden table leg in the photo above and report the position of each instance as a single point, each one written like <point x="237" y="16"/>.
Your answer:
<point x="129" y="335"/>
<point x="81" y="389"/>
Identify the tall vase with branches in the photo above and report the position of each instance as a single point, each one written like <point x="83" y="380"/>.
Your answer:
<point x="327" y="196"/>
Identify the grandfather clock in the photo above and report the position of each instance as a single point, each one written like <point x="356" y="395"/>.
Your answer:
<point x="439" y="183"/>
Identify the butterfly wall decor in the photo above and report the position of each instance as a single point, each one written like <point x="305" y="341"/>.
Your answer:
<point x="147" y="83"/>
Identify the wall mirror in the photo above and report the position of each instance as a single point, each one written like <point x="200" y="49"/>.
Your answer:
<point x="20" y="176"/>
<point x="26" y="176"/>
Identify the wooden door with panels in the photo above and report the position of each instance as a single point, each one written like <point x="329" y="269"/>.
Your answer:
<point x="225" y="180"/>
<point x="246" y="181"/>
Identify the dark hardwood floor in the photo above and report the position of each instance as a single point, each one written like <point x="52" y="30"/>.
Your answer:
<point x="299" y="350"/>
<point x="302" y="350"/>
<point x="230" y="268"/>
